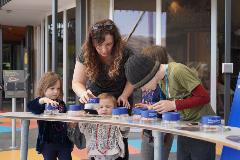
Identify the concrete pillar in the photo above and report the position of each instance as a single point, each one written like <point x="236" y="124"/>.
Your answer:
<point x="99" y="9"/>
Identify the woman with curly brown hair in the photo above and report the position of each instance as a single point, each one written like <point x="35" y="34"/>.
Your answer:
<point x="100" y="69"/>
<point x="100" y="66"/>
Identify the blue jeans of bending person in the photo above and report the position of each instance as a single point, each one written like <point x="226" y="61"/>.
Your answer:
<point x="194" y="149"/>
<point x="54" y="151"/>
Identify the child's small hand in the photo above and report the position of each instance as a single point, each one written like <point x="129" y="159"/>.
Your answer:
<point x="83" y="113"/>
<point x="48" y="101"/>
<point x="140" y="105"/>
<point x="143" y="105"/>
<point x="72" y="125"/>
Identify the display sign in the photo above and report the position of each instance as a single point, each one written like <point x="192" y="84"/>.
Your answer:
<point x="15" y="83"/>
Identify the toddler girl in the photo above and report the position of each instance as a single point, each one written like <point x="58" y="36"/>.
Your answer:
<point x="52" y="141"/>
<point x="104" y="142"/>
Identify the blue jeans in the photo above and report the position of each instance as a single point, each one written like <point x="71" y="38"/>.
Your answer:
<point x="54" y="151"/>
<point x="194" y="149"/>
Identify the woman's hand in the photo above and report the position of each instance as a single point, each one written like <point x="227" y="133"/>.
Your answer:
<point x="164" y="106"/>
<point x="124" y="101"/>
<point x="48" y="101"/>
<point x="85" y="96"/>
<point x="123" y="98"/>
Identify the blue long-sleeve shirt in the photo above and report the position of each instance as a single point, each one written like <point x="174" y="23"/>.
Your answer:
<point x="158" y="94"/>
<point x="50" y="131"/>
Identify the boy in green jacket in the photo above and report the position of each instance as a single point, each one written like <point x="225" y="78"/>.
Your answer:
<point x="184" y="93"/>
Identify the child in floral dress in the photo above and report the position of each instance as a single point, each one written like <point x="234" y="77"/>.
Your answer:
<point x="104" y="141"/>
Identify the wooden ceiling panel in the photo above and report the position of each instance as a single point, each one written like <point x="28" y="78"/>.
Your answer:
<point x="13" y="34"/>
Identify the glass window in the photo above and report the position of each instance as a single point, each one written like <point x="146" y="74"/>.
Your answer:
<point x="235" y="50"/>
<point x="59" y="53"/>
<point x="71" y="53"/>
<point x="6" y="55"/>
<point x="136" y="22"/>
<point x="235" y="43"/>
<point x="49" y="43"/>
<point x="221" y="43"/>
<point x="187" y="26"/>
